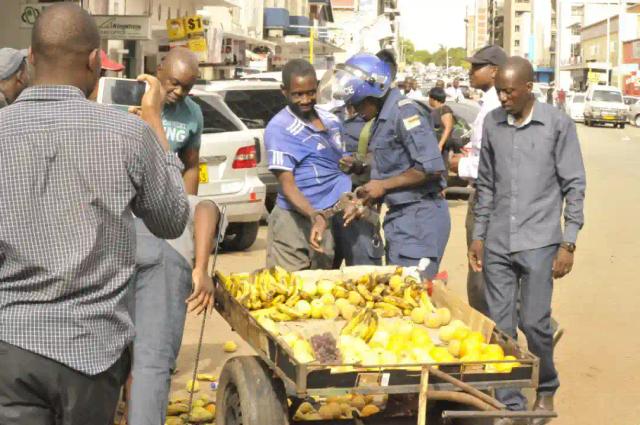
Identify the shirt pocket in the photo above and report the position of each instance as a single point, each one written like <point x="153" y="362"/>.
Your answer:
<point x="387" y="150"/>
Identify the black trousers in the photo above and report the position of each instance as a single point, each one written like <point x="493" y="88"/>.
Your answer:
<point x="35" y="390"/>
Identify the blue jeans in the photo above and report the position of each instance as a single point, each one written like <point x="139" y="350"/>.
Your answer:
<point x="518" y="289"/>
<point x="162" y="284"/>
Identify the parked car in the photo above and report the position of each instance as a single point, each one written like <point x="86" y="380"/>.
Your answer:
<point x="254" y="102"/>
<point x="575" y="107"/>
<point x="229" y="154"/>
<point x="633" y="115"/>
<point x="631" y="100"/>
<point x="604" y="105"/>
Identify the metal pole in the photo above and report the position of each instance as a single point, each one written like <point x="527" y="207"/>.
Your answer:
<point x="559" y="29"/>
<point x="609" y="49"/>
<point x="475" y="26"/>
<point x="621" y="15"/>
<point x="312" y="33"/>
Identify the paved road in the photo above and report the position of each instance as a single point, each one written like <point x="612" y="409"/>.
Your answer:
<point x="598" y="304"/>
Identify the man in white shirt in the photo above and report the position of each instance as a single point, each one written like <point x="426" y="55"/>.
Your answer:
<point x="484" y="68"/>
<point x="454" y="92"/>
<point x="411" y="88"/>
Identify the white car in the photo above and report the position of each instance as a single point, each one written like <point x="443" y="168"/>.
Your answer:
<point x="575" y="107"/>
<point x="229" y="154"/>
<point x="254" y="102"/>
<point x="604" y="105"/>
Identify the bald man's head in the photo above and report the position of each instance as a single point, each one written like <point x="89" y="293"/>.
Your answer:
<point x="514" y="84"/>
<point x="65" y="43"/>
<point x="178" y="72"/>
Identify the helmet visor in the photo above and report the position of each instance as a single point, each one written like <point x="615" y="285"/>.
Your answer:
<point x="344" y="81"/>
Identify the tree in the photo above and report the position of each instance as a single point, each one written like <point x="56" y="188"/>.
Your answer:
<point x="408" y="49"/>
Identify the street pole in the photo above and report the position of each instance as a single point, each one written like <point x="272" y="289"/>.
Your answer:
<point x="312" y="34"/>
<point x="475" y="27"/>
<point x="621" y="15"/>
<point x="609" y="48"/>
<point x="559" y="29"/>
<point x="447" y="56"/>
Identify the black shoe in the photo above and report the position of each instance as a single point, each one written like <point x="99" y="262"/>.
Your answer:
<point x="543" y="402"/>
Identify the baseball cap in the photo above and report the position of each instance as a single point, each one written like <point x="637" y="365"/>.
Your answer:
<point x="488" y="55"/>
<point x="10" y="61"/>
<point x="108" y="64"/>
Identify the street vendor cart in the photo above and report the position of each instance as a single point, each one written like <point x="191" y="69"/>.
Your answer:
<point x="270" y="387"/>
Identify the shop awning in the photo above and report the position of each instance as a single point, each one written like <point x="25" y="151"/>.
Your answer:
<point x="586" y="65"/>
<point x="303" y="42"/>
<point x="250" y="40"/>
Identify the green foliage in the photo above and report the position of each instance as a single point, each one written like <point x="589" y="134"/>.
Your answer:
<point x="457" y="55"/>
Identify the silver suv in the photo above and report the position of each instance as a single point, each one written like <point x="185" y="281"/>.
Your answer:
<point x="229" y="154"/>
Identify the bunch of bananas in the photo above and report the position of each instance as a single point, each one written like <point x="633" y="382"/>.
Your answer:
<point x="281" y="296"/>
<point x="363" y="325"/>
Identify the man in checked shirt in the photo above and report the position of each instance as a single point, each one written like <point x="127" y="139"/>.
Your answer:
<point x="73" y="171"/>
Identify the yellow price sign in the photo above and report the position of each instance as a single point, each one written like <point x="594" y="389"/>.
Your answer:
<point x="193" y="25"/>
<point x="175" y="29"/>
<point x="197" y="45"/>
<point x="203" y="173"/>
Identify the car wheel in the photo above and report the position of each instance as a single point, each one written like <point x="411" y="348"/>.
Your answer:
<point x="587" y="122"/>
<point x="240" y="236"/>
<point x="621" y="125"/>
<point x="637" y="120"/>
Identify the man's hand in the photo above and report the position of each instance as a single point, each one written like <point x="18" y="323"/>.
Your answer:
<point x="563" y="263"/>
<point x="476" y="255"/>
<point x="318" y="227"/>
<point x="346" y="163"/>
<point x="202" y="297"/>
<point x="353" y="211"/>
<point x="374" y="189"/>
<point x="153" y="99"/>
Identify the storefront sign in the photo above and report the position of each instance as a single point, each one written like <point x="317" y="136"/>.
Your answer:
<point x="113" y="27"/>
<point x="175" y="29"/>
<point x="193" y="25"/>
<point x="197" y="45"/>
<point x="29" y="12"/>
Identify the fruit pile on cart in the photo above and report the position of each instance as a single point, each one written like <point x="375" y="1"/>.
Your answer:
<point x="361" y="344"/>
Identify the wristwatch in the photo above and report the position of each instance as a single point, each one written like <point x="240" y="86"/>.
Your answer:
<point x="571" y="247"/>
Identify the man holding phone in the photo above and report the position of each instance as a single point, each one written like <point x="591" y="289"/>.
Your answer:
<point x="181" y="116"/>
<point x="64" y="294"/>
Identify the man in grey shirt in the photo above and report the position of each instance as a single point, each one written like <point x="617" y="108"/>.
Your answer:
<point x="530" y="165"/>
<point x="73" y="171"/>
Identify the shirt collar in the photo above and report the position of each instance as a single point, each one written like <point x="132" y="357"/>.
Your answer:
<point x="310" y="126"/>
<point x="390" y="104"/>
<point x="51" y="93"/>
<point x="536" y="115"/>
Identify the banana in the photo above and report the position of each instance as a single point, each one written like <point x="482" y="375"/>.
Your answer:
<point x="279" y="317"/>
<point x="389" y="307"/>
<point x="355" y="321"/>
<point x="362" y="290"/>
<point x="425" y="302"/>
<point x="340" y="291"/>
<point x="291" y="302"/>
<point x="291" y="312"/>
<point x="379" y="289"/>
<point x="397" y="301"/>
<point x="408" y="298"/>
<point x="372" y="326"/>
<point x="278" y="300"/>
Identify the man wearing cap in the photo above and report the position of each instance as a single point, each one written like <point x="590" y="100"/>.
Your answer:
<point x="484" y="67"/>
<point x="14" y="75"/>
<point x="106" y="65"/>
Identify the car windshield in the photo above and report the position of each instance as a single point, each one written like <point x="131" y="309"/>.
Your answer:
<point x="579" y="98"/>
<point x="607" y="96"/>
<point x="215" y="120"/>
<point x="630" y="100"/>
<point x="255" y="107"/>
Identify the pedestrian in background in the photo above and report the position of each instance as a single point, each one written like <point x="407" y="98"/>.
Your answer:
<point x="441" y="117"/>
<point x="304" y="147"/>
<point x="65" y="326"/>
<point x="454" y="92"/>
<point x="531" y="170"/>
<point x="482" y="75"/>
<point x="14" y="74"/>
<point x="407" y="167"/>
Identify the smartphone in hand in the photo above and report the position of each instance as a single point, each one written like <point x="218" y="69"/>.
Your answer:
<point x="121" y="91"/>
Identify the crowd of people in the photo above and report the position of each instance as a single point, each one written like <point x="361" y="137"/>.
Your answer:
<point x="104" y="244"/>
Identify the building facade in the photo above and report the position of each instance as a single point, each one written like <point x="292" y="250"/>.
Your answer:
<point x="477" y="25"/>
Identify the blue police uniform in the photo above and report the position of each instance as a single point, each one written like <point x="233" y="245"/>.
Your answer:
<point x="417" y="224"/>
<point x="359" y="243"/>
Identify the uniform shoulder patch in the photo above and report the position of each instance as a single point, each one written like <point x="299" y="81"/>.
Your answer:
<point x="404" y="102"/>
<point x="411" y="122"/>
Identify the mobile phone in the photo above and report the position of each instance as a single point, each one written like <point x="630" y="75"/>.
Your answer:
<point x="121" y="91"/>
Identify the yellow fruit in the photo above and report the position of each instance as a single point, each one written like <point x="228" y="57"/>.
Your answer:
<point x="290" y="338"/>
<point x="305" y="408"/>
<point x="355" y="298"/>
<point x="309" y="289"/>
<point x="175" y="409"/>
<point x="325" y="287"/>
<point x="303" y="356"/>
<point x="418" y="315"/>
<point x="193" y="386"/>
<point x="316" y="309"/>
<point x="493" y="350"/>
<point x="397" y="343"/>
<point x="369" y="410"/>
<point x="475" y="335"/>
<point x="454" y="347"/>
<point x="211" y="408"/>
<point x="420" y="338"/>
<point x="405" y="328"/>
<point x="473" y="356"/>
<point x="444" y="314"/>
<point x="421" y="356"/>
<point x="506" y="367"/>
<point x="174" y="420"/>
<point x="388" y="358"/>
<point x="358" y="402"/>
<point x="330" y="312"/>
<point x="230" y="347"/>
<point x="470" y="346"/>
<point x="303" y="307"/>
<point x="458" y="324"/>
<point x="340" y="302"/>
<point x="461" y="333"/>
<point x="340" y="292"/>
<point x="446" y="333"/>
<point x="348" y="311"/>
<point x="396" y="283"/>
<point x="369" y="358"/>
<point x="432" y="321"/>
<point x="330" y="411"/>
<point x="328" y="299"/>
<point x="441" y="355"/>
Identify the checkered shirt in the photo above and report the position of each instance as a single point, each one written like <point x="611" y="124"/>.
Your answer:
<point x="72" y="173"/>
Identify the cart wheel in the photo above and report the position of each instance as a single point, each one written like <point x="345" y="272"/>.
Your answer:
<point x="248" y="394"/>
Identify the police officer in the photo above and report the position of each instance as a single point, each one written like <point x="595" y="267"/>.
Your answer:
<point x="407" y="170"/>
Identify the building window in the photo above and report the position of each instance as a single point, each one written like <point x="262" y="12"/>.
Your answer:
<point x="516" y="43"/>
<point x="517" y="28"/>
<point x="159" y="12"/>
